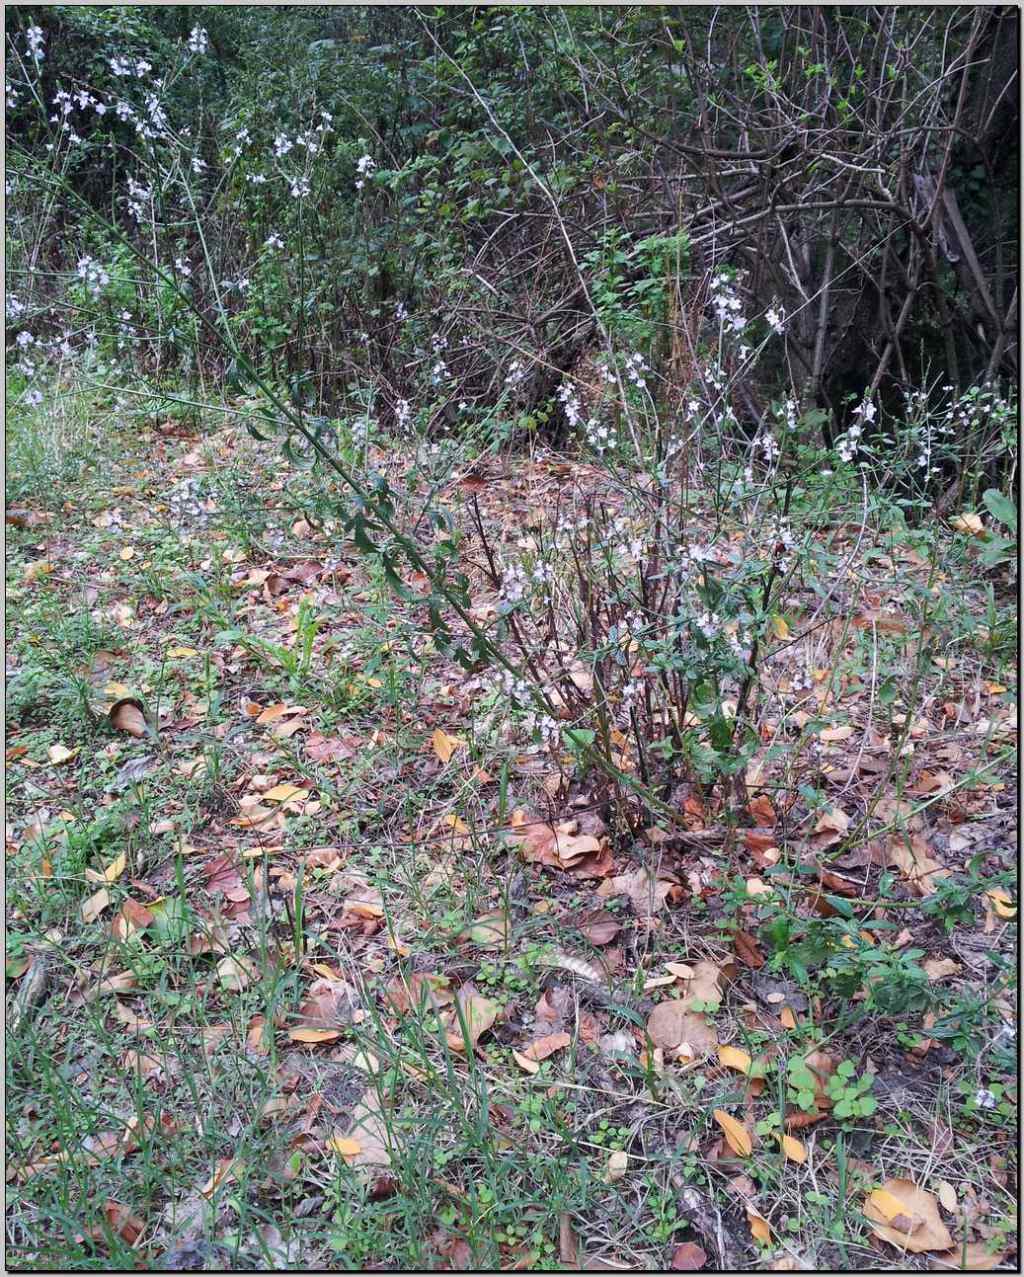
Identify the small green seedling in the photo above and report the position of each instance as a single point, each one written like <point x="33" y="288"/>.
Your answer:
<point x="849" y="1093"/>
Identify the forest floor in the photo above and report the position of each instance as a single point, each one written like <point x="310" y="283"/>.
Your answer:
<point x="303" y="971"/>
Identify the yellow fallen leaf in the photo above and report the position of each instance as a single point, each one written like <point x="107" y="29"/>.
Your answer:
<point x="116" y="868"/>
<point x="779" y="627"/>
<point x="1002" y="904"/>
<point x="731" y="1057"/>
<point x="314" y="1035"/>
<point x="445" y="745"/>
<point x="969" y="524"/>
<point x="793" y="1149"/>
<point x="833" y="735"/>
<point x="284" y="793"/>
<point x="680" y="969"/>
<point x="344" y="1145"/>
<point x="787" y="1019"/>
<point x="907" y="1217"/>
<point x="174" y="653"/>
<point x="94" y="906"/>
<point x="759" y="1229"/>
<point x="736" y="1134"/>
<point x="128" y="553"/>
<point x="58" y="754"/>
<point x="525" y="1063"/>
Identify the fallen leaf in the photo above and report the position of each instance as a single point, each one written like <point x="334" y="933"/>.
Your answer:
<point x="123" y="1222"/>
<point x="907" y="1217"/>
<point x="759" y="1228"/>
<point x="974" y="1257"/>
<point x="779" y="627"/>
<point x="445" y="745"/>
<point x="126" y="716"/>
<point x="688" y="1257"/>
<point x="527" y="1065"/>
<point x="235" y="974"/>
<point x="678" y="1030"/>
<point x="731" y="1057"/>
<point x="736" y="1134"/>
<point x="940" y="968"/>
<point x="58" y="754"/>
<point x="224" y="1172"/>
<point x="616" y="1167"/>
<point x="94" y="906"/>
<point x="793" y="1149"/>
<point x="541" y="1048"/>
<point x="312" y="1036"/>
<point x="490" y="931"/>
<point x="1002" y="904"/>
<point x="833" y="735"/>
<point x="646" y="890"/>
<point x="345" y="1146"/>
<point x="969" y="524"/>
<point x="116" y="868"/>
<point x="478" y="1013"/>
<point x="600" y="927"/>
<point x="285" y="794"/>
<point x="910" y="855"/>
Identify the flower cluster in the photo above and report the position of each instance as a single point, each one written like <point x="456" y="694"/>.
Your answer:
<point x="727" y="306"/>
<point x="35" y="38"/>
<point x="198" y="40"/>
<point x="94" y="275"/>
<point x="635" y="368"/>
<point x="364" y="167"/>
<point x="776" y="318"/>
<point x="848" y="443"/>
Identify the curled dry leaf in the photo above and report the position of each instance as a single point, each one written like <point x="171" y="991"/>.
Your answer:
<point x="910" y="855"/>
<point x="478" y="1013"/>
<point x="736" y="1134"/>
<point x="599" y="926"/>
<point x="705" y="985"/>
<point x="420" y="989"/>
<point x="647" y="891"/>
<point x="126" y="715"/>
<point x="541" y="1048"/>
<point x="907" y="1217"/>
<point x="688" y="1257"/>
<point x="94" y="906"/>
<point x="678" y="1031"/>
<point x="235" y="974"/>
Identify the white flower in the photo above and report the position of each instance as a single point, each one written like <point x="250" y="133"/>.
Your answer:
<point x="282" y="145"/>
<point x="300" y="188"/>
<point x="365" y="165"/>
<point x="198" y="40"/>
<point x="197" y="164"/>
<point x="257" y="179"/>
<point x="120" y="66"/>
<point x="12" y="96"/>
<point x="182" y="267"/>
<point x="34" y="398"/>
<point x="866" y="410"/>
<point x="24" y="340"/>
<point x="14" y="307"/>
<point x="95" y="276"/>
<point x="273" y="241"/>
<point x="985" y="1099"/>
<point x="35" y="38"/>
<point x="776" y="319"/>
